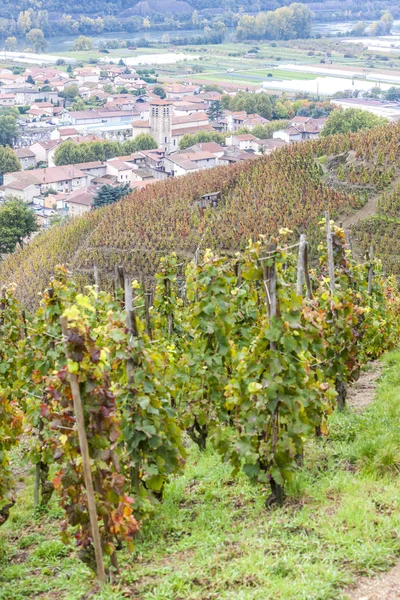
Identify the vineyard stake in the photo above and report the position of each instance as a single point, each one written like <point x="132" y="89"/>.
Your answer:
<point x="120" y="278"/>
<point x="96" y="279"/>
<point x="87" y="474"/>
<point x="130" y="318"/>
<point x="307" y="273"/>
<point x="300" y="265"/>
<point x="370" y="270"/>
<point x="331" y="264"/>
<point x="276" y="488"/>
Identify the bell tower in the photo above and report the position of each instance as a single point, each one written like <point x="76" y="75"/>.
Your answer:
<point x="161" y="123"/>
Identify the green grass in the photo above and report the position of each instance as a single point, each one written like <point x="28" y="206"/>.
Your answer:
<point x="213" y="538"/>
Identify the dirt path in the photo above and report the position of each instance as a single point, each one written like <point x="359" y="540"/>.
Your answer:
<point x="366" y="211"/>
<point x="387" y="585"/>
<point x="362" y="392"/>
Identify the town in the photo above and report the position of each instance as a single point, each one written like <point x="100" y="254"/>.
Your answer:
<point x="147" y="126"/>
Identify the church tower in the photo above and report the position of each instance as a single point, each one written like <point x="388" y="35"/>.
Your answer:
<point x="161" y="123"/>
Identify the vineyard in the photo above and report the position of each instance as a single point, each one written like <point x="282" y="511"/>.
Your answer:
<point x="211" y="346"/>
<point x="290" y="188"/>
<point x="249" y="354"/>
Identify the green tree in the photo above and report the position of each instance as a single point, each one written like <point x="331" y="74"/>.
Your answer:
<point x="386" y="23"/>
<point x="109" y="194"/>
<point x="350" y="121"/>
<point x="17" y="222"/>
<point x="215" y="111"/>
<point x="8" y="130"/>
<point x="37" y="39"/>
<point x="70" y="92"/>
<point x="24" y="22"/>
<point x="143" y="141"/>
<point x="201" y="136"/>
<point x="264" y="132"/>
<point x="213" y="87"/>
<point x="8" y="160"/>
<point x="393" y="94"/>
<point x="79" y="104"/>
<point x="158" y="90"/>
<point x="83" y="42"/>
<point x="10" y="44"/>
<point x="30" y="80"/>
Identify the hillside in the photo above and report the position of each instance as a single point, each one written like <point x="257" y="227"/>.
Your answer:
<point x="290" y="188"/>
<point x="56" y="8"/>
<point x="285" y="189"/>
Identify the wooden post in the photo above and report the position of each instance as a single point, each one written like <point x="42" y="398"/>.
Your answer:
<point x="96" y="278"/>
<point x="277" y="489"/>
<point x="300" y="265"/>
<point x="87" y="473"/>
<point x="331" y="264"/>
<point x="307" y="274"/>
<point x="370" y="270"/>
<point x="120" y="278"/>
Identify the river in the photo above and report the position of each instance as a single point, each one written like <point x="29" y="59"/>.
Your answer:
<point x="63" y="43"/>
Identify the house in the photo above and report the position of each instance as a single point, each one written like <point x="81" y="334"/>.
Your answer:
<point x="64" y="133"/>
<point x="268" y="146"/>
<point x="27" y="96"/>
<point x="210" y="97"/>
<point x="175" y="91"/>
<point x="183" y="108"/>
<point x="44" y="151"/>
<point x="203" y="159"/>
<point x="79" y="202"/>
<point x="23" y="189"/>
<point x="7" y="100"/>
<point x="92" y="169"/>
<point x="212" y="147"/>
<point x="31" y="184"/>
<point x="300" y="129"/>
<point x="253" y="120"/>
<point x="142" y="175"/>
<point x="234" y="120"/>
<point x="26" y="157"/>
<point x="244" y="141"/>
<point x="120" y="169"/>
<point x="176" y="165"/>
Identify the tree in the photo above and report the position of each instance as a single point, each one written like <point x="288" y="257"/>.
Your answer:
<point x="158" y="90"/>
<point x="24" y="22"/>
<point x="79" y="104"/>
<point x="386" y="23"/>
<point x="201" y="136"/>
<point x="83" y="42"/>
<point x="17" y="222"/>
<point x="215" y="111"/>
<point x="359" y="29"/>
<point x="393" y="94"/>
<point x="10" y="44"/>
<point x="350" y="121"/>
<point x="36" y="37"/>
<point x="8" y="130"/>
<point x="70" y="92"/>
<point x="109" y="194"/>
<point x="8" y="160"/>
<point x="213" y="87"/>
<point x="143" y="141"/>
<point x="30" y="80"/>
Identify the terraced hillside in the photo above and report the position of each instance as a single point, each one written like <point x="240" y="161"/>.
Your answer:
<point x="290" y="188"/>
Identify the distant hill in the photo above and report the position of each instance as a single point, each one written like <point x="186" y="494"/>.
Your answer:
<point x="290" y="188"/>
<point x="56" y="8"/>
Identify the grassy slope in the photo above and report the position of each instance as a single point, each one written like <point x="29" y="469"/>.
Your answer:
<point x="212" y="537"/>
